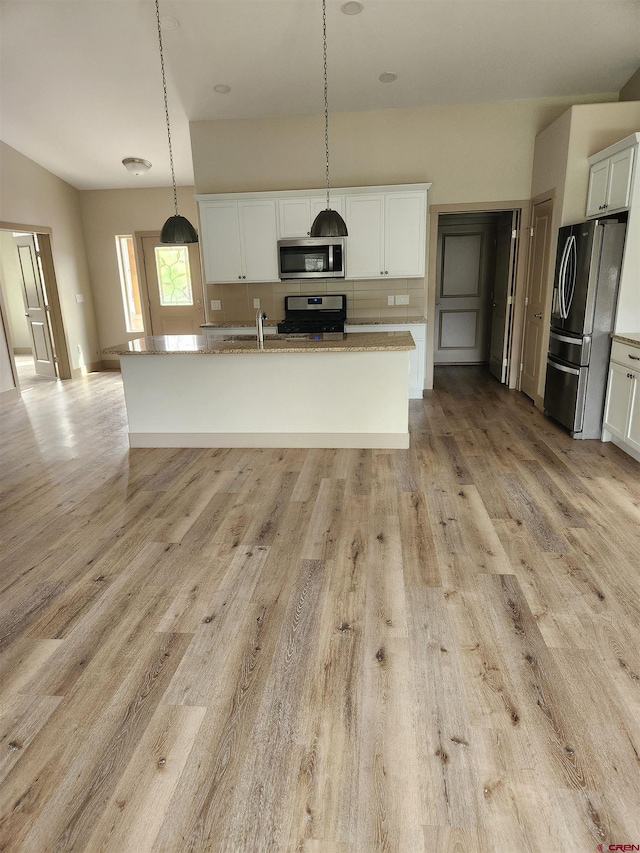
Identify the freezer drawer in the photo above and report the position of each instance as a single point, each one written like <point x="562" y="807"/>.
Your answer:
<point x="575" y="350"/>
<point x="565" y="393"/>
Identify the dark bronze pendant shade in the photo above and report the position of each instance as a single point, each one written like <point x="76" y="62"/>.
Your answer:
<point x="328" y="223"/>
<point x="176" y="229"/>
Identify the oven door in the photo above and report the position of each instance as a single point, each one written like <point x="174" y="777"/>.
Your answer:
<point x="311" y="258"/>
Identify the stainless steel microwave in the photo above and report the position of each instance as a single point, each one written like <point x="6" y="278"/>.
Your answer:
<point x="316" y="257"/>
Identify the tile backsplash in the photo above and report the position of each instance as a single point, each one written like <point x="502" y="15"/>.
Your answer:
<point x="366" y="299"/>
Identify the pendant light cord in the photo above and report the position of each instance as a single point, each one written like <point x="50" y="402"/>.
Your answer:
<point x="326" y="93"/>
<point x="166" y="111"/>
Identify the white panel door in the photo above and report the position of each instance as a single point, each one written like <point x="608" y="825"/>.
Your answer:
<point x="465" y="272"/>
<point x="35" y="306"/>
<point x="221" y="242"/>
<point x="259" y="238"/>
<point x="365" y="246"/>
<point x="405" y="233"/>
<point x="537" y="301"/>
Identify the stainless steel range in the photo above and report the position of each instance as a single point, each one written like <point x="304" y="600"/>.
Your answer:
<point x="313" y="314"/>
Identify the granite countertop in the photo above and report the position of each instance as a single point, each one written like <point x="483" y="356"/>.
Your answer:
<point x="389" y="321"/>
<point x="247" y="344"/>
<point x="632" y="338"/>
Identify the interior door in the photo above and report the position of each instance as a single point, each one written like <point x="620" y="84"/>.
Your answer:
<point x="536" y="298"/>
<point x="466" y="263"/>
<point x="35" y="306"/>
<point x="174" y="287"/>
<point x="502" y="296"/>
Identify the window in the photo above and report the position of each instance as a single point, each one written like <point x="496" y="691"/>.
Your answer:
<point x="174" y="276"/>
<point x="129" y="283"/>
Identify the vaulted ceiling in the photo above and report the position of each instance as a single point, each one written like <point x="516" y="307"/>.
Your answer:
<point x="80" y="83"/>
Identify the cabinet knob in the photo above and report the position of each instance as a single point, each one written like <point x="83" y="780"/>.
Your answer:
<point x="239" y="276"/>
<point x="244" y="276"/>
<point x="386" y="272"/>
<point x="381" y="272"/>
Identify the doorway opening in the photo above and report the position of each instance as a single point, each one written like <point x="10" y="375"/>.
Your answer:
<point x="477" y="277"/>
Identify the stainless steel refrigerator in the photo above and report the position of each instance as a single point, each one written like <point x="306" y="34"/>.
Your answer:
<point x="585" y="293"/>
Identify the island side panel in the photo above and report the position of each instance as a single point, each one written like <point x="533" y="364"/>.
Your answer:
<point x="267" y="399"/>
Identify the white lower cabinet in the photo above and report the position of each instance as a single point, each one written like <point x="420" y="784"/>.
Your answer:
<point x="416" y="356"/>
<point x="622" y="405"/>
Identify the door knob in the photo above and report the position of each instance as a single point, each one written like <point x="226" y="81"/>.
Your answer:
<point x="538" y="316"/>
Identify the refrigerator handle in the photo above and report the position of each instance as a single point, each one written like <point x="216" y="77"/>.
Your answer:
<point x="573" y="272"/>
<point x="562" y="274"/>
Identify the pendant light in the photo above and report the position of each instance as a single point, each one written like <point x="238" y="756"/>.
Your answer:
<point x="176" y="229"/>
<point x="328" y="223"/>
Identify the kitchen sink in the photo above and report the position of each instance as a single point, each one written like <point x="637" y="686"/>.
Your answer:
<point x="240" y="338"/>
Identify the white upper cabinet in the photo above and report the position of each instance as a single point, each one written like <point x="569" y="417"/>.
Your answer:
<point x="296" y="215"/>
<point x="386" y="225"/>
<point x="387" y="234"/>
<point x="610" y="182"/>
<point x="239" y="240"/>
<point x="365" y="243"/>
<point x="405" y="234"/>
<point x="259" y="238"/>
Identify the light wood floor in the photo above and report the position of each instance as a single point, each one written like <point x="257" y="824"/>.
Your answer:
<point x="245" y="650"/>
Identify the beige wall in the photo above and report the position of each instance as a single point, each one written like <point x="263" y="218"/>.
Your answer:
<point x="7" y="382"/>
<point x="592" y="129"/>
<point x="471" y="152"/>
<point x="33" y="196"/>
<point x="11" y="282"/>
<point x="631" y="90"/>
<point x="105" y="214"/>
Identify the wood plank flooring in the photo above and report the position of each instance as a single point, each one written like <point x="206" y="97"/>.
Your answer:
<point x="333" y="651"/>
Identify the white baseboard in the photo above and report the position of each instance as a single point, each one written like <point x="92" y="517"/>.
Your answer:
<point x="383" y="441"/>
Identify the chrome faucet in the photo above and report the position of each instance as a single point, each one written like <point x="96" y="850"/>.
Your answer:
<point x="260" y="316"/>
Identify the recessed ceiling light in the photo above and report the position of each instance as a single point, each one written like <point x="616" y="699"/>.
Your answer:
<point x="169" y="23"/>
<point x="136" y="166"/>
<point x="222" y="89"/>
<point x="387" y="77"/>
<point x="352" y="7"/>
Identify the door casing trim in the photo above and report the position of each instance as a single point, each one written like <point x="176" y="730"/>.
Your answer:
<point x="520" y="277"/>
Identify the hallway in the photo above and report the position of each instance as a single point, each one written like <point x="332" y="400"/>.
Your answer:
<point x="323" y="650"/>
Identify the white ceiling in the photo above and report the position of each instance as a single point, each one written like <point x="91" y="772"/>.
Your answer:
<point x="80" y="84"/>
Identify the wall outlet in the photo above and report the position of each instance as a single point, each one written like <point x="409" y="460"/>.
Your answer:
<point x="216" y="305"/>
<point x="79" y="297"/>
<point x="402" y="300"/>
<point x="256" y="303"/>
<point x="390" y="300"/>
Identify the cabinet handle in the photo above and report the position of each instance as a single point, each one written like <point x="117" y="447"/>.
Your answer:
<point x="635" y="357"/>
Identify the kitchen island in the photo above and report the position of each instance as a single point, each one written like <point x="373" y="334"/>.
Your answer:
<point x="326" y="390"/>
